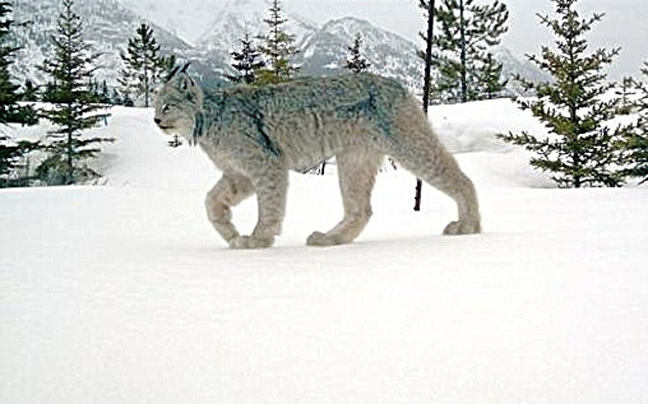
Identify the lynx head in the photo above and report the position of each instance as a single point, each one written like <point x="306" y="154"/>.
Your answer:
<point x="179" y="106"/>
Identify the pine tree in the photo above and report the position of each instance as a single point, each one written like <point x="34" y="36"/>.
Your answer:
<point x="636" y="144"/>
<point x="356" y="62"/>
<point x="12" y="157"/>
<point x="10" y="111"/>
<point x="29" y="92"/>
<point x="169" y="63"/>
<point x="8" y="90"/>
<point x="467" y="32"/>
<point x="278" y="48"/>
<point x="246" y="62"/>
<point x="582" y="149"/>
<point x="144" y="66"/>
<point x="489" y="78"/>
<point x="11" y="153"/>
<point x="625" y="93"/>
<point x="75" y="110"/>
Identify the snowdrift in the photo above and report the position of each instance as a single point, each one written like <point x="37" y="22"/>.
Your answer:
<point x="124" y="294"/>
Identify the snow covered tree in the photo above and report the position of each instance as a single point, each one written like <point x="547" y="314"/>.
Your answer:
<point x="12" y="155"/>
<point x="11" y="152"/>
<point x="29" y="92"/>
<point x="356" y="62"/>
<point x="467" y="32"/>
<point x="246" y="61"/>
<point x="278" y="48"/>
<point x="74" y="110"/>
<point x="10" y="111"/>
<point x="582" y="148"/>
<point x="144" y="64"/>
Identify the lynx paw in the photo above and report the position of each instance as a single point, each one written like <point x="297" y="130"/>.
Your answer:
<point x="251" y="242"/>
<point x="319" y="239"/>
<point x="459" y="228"/>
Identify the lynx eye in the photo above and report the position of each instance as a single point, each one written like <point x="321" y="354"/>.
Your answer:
<point x="165" y="108"/>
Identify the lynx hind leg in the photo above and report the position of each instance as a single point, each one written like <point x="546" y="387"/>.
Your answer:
<point x="228" y="192"/>
<point x="356" y="174"/>
<point x="420" y="152"/>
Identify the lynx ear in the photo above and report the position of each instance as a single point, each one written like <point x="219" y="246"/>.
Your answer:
<point x="178" y="69"/>
<point x="186" y="82"/>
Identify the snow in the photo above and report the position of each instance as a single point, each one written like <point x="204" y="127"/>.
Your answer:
<point x="124" y="294"/>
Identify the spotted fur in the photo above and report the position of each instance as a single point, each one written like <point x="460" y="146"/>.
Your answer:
<point x="255" y="135"/>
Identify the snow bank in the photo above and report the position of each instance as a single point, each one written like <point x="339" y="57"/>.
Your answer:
<point x="124" y="294"/>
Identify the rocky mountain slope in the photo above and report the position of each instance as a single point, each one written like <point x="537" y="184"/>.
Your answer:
<point x="210" y="30"/>
<point x="107" y="27"/>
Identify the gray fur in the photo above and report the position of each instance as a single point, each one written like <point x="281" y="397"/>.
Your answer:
<point x="255" y="135"/>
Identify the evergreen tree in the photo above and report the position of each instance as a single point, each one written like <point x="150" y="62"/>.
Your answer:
<point x="636" y="145"/>
<point x="11" y="153"/>
<point x="355" y="61"/>
<point x="30" y="91"/>
<point x="50" y="92"/>
<point x="11" y="158"/>
<point x="75" y="110"/>
<point x="247" y="61"/>
<point x="582" y="149"/>
<point x="625" y="92"/>
<point x="10" y="111"/>
<point x="278" y="48"/>
<point x="169" y="63"/>
<point x="144" y="65"/>
<point x="489" y="78"/>
<point x="467" y="32"/>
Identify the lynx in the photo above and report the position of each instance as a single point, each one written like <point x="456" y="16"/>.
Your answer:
<point x="255" y="135"/>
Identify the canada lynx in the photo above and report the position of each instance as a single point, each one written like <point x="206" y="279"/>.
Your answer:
<point x="255" y="135"/>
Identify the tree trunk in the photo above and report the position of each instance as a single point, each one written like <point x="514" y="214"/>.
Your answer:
<point x="464" y="63"/>
<point x="426" y="89"/>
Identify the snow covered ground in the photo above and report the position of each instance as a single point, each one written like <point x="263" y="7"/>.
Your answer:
<point x="124" y="294"/>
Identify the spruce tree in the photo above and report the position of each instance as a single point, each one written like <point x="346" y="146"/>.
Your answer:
<point x="636" y="144"/>
<point x="11" y="152"/>
<point x="582" y="148"/>
<point x="356" y="62"/>
<point x="10" y="111"/>
<point x="278" y="48"/>
<point x="74" y="110"/>
<point x="246" y="62"/>
<point x="144" y="66"/>
<point x="625" y="92"/>
<point x="489" y="78"/>
<point x="30" y="91"/>
<point x="467" y="32"/>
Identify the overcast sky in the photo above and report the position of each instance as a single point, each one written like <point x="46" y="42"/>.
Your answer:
<point x="625" y="24"/>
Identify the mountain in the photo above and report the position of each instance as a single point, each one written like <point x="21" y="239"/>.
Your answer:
<point x="187" y="19"/>
<point x="107" y="27"/>
<point x="212" y="50"/>
<point x="206" y="31"/>
<point x="388" y="53"/>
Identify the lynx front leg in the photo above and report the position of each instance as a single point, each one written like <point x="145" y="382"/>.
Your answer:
<point x="229" y="191"/>
<point x="357" y="173"/>
<point x="271" y="189"/>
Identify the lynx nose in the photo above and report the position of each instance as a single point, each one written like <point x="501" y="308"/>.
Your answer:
<point x="157" y="121"/>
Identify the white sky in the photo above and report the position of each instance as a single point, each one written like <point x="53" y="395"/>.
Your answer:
<point x="625" y="24"/>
